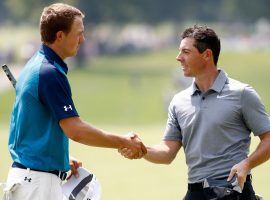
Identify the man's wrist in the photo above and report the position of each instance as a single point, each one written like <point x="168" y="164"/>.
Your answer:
<point x="122" y="142"/>
<point x="247" y="164"/>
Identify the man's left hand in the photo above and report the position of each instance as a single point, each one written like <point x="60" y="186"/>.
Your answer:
<point x="240" y="170"/>
<point x="74" y="165"/>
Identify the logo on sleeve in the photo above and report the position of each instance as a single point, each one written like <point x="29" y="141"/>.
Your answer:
<point x="68" y="108"/>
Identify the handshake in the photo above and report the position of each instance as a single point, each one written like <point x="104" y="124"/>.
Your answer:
<point x="133" y="147"/>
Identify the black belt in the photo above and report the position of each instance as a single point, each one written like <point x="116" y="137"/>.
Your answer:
<point x="199" y="186"/>
<point x="62" y="175"/>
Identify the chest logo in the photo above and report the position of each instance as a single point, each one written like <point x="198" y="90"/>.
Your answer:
<point x="67" y="108"/>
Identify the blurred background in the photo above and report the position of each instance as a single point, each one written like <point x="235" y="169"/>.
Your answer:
<point x="125" y="74"/>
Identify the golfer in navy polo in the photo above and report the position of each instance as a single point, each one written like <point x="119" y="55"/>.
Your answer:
<point x="44" y="116"/>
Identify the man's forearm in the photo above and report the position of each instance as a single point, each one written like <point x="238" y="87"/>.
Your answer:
<point x="156" y="155"/>
<point x="89" y="135"/>
<point x="162" y="153"/>
<point x="261" y="154"/>
<point x="84" y="133"/>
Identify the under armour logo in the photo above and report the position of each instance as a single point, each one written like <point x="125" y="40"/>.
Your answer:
<point x="67" y="108"/>
<point x="27" y="179"/>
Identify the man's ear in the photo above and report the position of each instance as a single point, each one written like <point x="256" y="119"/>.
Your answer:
<point x="208" y="55"/>
<point x="59" y="35"/>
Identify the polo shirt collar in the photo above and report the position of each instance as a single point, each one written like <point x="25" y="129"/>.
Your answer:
<point x="220" y="81"/>
<point x="53" y="57"/>
<point x="194" y="89"/>
<point x="218" y="85"/>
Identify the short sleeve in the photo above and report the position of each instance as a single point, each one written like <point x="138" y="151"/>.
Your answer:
<point x="55" y="93"/>
<point x="254" y="113"/>
<point x="172" y="130"/>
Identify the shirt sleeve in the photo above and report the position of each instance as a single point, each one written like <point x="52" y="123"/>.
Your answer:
<point x="172" y="130"/>
<point x="254" y="113"/>
<point x="55" y="93"/>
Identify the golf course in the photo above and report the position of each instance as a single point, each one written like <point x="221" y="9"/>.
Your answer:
<point x="124" y="93"/>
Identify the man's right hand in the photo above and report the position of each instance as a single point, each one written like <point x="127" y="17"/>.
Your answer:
<point x="134" y="147"/>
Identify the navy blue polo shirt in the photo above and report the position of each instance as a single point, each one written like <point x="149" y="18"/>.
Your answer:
<point x="43" y="98"/>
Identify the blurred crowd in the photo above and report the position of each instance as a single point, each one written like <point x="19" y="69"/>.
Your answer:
<point x="109" y="39"/>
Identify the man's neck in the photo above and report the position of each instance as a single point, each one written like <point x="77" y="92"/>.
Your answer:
<point x="206" y="80"/>
<point x="57" y="50"/>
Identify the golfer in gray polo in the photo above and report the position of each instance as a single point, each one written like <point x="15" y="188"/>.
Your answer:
<point x="213" y="120"/>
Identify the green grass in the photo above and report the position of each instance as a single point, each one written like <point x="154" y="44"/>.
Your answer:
<point x="119" y="98"/>
<point x="250" y="67"/>
<point x="125" y="179"/>
<point x="125" y="93"/>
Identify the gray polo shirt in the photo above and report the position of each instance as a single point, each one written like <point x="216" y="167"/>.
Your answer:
<point x="214" y="127"/>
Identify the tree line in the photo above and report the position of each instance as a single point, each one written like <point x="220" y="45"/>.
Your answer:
<point x="143" y="11"/>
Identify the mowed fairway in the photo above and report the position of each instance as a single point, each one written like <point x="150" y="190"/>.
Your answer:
<point x="126" y="93"/>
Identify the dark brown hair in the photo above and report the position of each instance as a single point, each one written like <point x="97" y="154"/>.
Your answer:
<point x="205" y="38"/>
<point x="57" y="17"/>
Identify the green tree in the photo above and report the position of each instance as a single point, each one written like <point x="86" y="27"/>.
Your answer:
<point x="27" y="11"/>
<point x="146" y="11"/>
